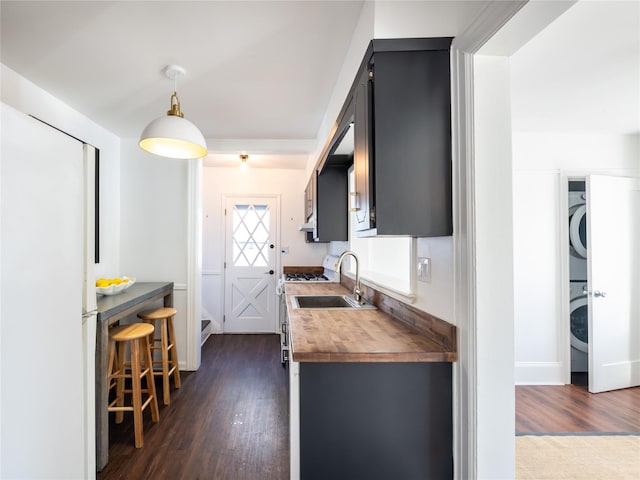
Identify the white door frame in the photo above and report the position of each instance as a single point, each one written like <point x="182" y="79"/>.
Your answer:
<point x="466" y="415"/>
<point x="481" y="454"/>
<point x="194" y="265"/>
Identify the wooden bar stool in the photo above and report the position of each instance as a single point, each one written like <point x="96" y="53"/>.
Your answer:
<point x="135" y="335"/>
<point x="166" y="343"/>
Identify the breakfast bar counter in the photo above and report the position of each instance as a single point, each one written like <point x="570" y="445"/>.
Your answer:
<point x="111" y="309"/>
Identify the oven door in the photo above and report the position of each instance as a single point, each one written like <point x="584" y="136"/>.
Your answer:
<point x="283" y="321"/>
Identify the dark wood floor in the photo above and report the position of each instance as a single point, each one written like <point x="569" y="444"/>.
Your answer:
<point x="228" y="421"/>
<point x="571" y="408"/>
<point x="230" y="418"/>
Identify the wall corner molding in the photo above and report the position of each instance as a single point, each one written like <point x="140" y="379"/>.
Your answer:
<point x="194" y="265"/>
<point x="465" y="372"/>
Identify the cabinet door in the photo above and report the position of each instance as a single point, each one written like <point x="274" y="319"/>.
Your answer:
<point x="363" y="203"/>
<point x="309" y="198"/>
<point x="332" y="205"/>
<point x="412" y="145"/>
<point x="373" y="421"/>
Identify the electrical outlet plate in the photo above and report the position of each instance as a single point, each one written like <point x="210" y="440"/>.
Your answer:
<point x="424" y="269"/>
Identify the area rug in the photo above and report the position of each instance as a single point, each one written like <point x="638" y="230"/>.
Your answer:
<point x="575" y="457"/>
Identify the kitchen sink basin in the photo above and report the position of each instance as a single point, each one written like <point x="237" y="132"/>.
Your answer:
<point x="328" y="302"/>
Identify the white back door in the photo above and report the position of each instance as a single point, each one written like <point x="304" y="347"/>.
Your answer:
<point x="250" y="260"/>
<point x="613" y="251"/>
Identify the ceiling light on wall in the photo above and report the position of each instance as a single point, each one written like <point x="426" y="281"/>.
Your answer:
<point x="173" y="135"/>
<point x="243" y="158"/>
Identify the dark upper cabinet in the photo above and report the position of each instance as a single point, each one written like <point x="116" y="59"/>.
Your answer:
<point x="362" y="202"/>
<point x="332" y="220"/>
<point x="309" y="200"/>
<point x="330" y="185"/>
<point x="326" y="202"/>
<point x="402" y="139"/>
<point x="395" y="128"/>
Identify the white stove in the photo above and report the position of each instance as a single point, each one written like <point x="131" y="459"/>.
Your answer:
<point x="305" y="277"/>
<point x="328" y="274"/>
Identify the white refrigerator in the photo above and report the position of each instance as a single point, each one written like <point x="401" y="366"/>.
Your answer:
<point x="47" y="302"/>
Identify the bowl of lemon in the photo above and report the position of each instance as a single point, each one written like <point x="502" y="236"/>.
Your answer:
<point x="113" y="286"/>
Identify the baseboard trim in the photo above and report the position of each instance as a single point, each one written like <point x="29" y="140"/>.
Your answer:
<point x="539" y="373"/>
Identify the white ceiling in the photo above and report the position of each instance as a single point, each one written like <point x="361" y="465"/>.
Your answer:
<point x="260" y="74"/>
<point x="259" y="71"/>
<point x="581" y="73"/>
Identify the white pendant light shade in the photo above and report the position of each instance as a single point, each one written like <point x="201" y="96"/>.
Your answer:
<point x="174" y="137"/>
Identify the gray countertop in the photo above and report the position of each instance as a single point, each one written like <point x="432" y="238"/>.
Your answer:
<point x="111" y="305"/>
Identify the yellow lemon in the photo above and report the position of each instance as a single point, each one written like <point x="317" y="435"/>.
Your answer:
<point x="102" y="282"/>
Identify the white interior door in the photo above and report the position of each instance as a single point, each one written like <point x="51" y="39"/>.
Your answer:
<point x="613" y="218"/>
<point x="250" y="265"/>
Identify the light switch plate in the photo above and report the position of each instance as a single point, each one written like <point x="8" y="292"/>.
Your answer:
<point x="424" y="269"/>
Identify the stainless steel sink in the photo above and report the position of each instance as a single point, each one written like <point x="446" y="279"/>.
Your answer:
<point x="327" y="302"/>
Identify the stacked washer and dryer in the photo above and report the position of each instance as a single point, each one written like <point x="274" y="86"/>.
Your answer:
<point x="578" y="286"/>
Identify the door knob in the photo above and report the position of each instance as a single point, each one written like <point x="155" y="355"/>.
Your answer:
<point x="598" y="293"/>
<point x="270" y="272"/>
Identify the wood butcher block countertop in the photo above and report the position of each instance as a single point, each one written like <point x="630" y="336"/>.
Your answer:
<point x="318" y="335"/>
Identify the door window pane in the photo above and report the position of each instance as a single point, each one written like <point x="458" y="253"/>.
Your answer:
<point x="250" y="235"/>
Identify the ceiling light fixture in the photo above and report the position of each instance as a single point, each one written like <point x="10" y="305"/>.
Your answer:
<point x="173" y="135"/>
<point x="243" y="158"/>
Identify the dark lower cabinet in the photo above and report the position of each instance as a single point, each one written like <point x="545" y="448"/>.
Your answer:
<point x="374" y="421"/>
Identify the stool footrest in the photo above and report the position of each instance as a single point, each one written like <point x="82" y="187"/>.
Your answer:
<point x="129" y="408"/>
<point x="128" y="375"/>
<point x="153" y="347"/>
<point x="161" y="373"/>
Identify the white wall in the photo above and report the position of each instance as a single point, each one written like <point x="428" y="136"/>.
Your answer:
<point x="154" y="223"/>
<point x="362" y="35"/>
<point x="154" y="233"/>
<point x="289" y="184"/>
<point x="407" y="19"/>
<point x="27" y="97"/>
<point x="541" y="161"/>
<point x="436" y="296"/>
<point x="577" y="152"/>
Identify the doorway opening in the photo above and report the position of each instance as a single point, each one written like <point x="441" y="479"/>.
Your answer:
<point x="578" y="282"/>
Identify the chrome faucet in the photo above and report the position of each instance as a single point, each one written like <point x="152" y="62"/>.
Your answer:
<point x="357" y="293"/>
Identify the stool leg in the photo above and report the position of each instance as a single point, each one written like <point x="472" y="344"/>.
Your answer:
<point x="112" y="362"/>
<point x="136" y="393"/>
<point x="151" y="385"/>
<point x="165" y="361"/>
<point x="120" y="359"/>
<point x="174" y="353"/>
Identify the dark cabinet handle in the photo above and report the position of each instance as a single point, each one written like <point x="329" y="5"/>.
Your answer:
<point x="270" y="272"/>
